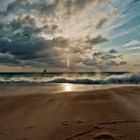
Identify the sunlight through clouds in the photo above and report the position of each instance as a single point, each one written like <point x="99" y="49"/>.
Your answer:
<point x="81" y="26"/>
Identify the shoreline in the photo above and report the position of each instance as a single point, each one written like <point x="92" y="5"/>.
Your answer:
<point x="15" y="89"/>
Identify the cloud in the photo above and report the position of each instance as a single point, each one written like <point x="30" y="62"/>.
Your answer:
<point x="96" y="40"/>
<point x="123" y="62"/>
<point x="102" y="60"/>
<point x="32" y="52"/>
<point x="90" y="62"/>
<point x="19" y="7"/>
<point x="111" y="63"/>
<point x="8" y="59"/>
<point x="80" y="4"/>
<point x="57" y="8"/>
<point x="113" y="51"/>
<point x="109" y="56"/>
<point x="132" y="44"/>
<point x="57" y="29"/>
<point x="101" y="23"/>
<point x="97" y="53"/>
<point x="137" y="65"/>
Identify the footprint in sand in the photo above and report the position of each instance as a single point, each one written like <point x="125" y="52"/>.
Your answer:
<point x="29" y="126"/>
<point x="22" y="138"/>
<point x="3" y="132"/>
<point x="65" y="122"/>
<point x="79" y="122"/>
<point x="104" y="136"/>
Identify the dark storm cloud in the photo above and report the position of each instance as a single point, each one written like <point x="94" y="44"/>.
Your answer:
<point x="47" y="7"/>
<point x="25" y="6"/>
<point x="16" y="28"/>
<point x="1" y="25"/>
<point x="101" y="23"/>
<point x="15" y="6"/>
<point x="9" y="60"/>
<point x="38" y="51"/>
<point x="13" y="29"/>
<point x="21" y="49"/>
<point x="35" y="18"/>
<point x="27" y="20"/>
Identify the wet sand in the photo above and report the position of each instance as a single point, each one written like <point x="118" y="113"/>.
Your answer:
<point x="107" y="114"/>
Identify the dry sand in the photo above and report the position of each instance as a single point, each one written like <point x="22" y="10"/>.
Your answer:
<point x="109" y="114"/>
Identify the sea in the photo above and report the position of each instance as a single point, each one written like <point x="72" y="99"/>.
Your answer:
<point x="56" y="82"/>
<point x="71" y="77"/>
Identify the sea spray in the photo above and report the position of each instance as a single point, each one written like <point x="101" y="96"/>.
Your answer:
<point x="74" y="78"/>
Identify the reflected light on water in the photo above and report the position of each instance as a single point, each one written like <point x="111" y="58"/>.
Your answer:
<point x="68" y="87"/>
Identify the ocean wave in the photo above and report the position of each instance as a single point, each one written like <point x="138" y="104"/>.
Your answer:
<point x="131" y="79"/>
<point x="122" y="79"/>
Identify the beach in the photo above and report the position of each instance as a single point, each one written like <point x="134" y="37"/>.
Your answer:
<point x="69" y="70"/>
<point x="105" y="114"/>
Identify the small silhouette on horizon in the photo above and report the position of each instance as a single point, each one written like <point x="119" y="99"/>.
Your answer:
<point x="44" y="71"/>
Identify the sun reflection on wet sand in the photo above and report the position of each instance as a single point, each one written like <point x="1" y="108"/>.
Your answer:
<point x="67" y="87"/>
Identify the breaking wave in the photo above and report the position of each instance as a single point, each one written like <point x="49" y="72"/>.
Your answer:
<point x="112" y="79"/>
<point x="132" y="79"/>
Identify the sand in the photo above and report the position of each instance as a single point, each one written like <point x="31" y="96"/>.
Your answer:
<point x="109" y="114"/>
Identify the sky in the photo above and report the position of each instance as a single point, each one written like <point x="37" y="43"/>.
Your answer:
<point x="69" y="35"/>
